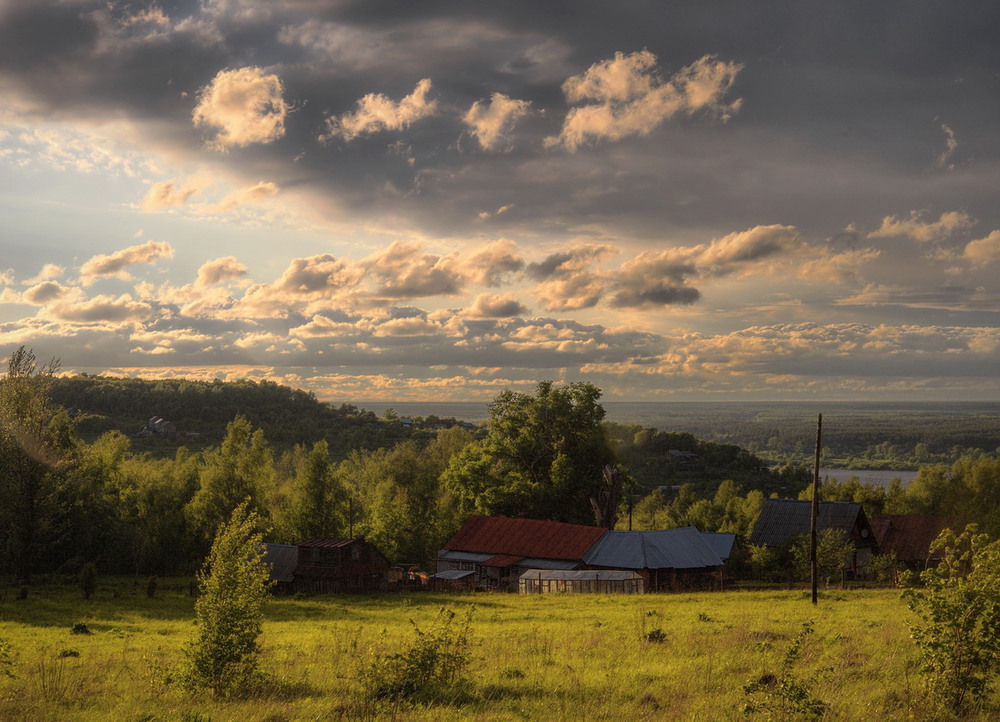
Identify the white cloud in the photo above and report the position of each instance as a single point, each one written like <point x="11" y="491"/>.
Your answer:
<point x="627" y="97"/>
<point x="951" y="145"/>
<point x="378" y="112"/>
<point x="169" y="193"/>
<point x="250" y="194"/>
<point x="242" y="106"/>
<point x="491" y="306"/>
<point x="48" y="272"/>
<point x="491" y="123"/>
<point x="219" y="270"/>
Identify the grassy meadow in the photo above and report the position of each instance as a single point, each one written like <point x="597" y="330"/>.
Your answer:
<point x="553" y="657"/>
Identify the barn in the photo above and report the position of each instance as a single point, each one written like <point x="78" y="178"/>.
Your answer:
<point x="666" y="559"/>
<point x="330" y="566"/>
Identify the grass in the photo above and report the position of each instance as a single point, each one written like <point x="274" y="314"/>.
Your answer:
<point x="553" y="657"/>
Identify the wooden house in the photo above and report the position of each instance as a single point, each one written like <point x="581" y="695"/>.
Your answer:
<point x="498" y="550"/>
<point x="782" y="520"/>
<point x="909" y="537"/>
<point x="331" y="566"/>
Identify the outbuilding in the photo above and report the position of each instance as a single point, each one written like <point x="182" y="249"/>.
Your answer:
<point x="581" y="581"/>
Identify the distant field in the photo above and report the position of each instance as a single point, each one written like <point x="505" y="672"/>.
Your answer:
<point x="553" y="657"/>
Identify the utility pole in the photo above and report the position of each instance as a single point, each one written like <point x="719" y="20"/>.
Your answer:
<point x="815" y="512"/>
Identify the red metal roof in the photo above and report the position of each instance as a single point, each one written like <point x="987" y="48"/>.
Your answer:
<point x="501" y="560"/>
<point x="524" y="537"/>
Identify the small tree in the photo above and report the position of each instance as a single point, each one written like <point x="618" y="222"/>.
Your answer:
<point x="959" y="608"/>
<point x="233" y="586"/>
<point x="88" y="579"/>
<point x="833" y="547"/>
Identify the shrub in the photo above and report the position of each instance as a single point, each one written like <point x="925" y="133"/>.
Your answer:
<point x="6" y="660"/>
<point x="233" y="584"/>
<point x="959" y="608"/>
<point x="784" y="696"/>
<point x="151" y="587"/>
<point x="427" y="668"/>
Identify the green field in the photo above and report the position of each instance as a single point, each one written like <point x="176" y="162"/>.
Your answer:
<point x="558" y="657"/>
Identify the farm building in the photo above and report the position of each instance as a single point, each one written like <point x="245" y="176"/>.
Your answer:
<point x="581" y="581"/>
<point x="781" y="520"/>
<point x="909" y="537"/>
<point x="327" y="566"/>
<point x="722" y="543"/>
<point x="667" y="559"/>
<point x="281" y="560"/>
<point x="499" y="550"/>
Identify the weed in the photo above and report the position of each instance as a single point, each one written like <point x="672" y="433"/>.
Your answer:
<point x="702" y="617"/>
<point x="512" y="673"/>
<point x="784" y="695"/>
<point x="427" y="668"/>
<point x="88" y="579"/>
<point x="151" y="586"/>
<point x="80" y="628"/>
<point x="68" y="653"/>
<point x="6" y="660"/>
<point x="656" y="636"/>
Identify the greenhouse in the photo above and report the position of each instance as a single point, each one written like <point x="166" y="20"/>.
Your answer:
<point x="588" y="581"/>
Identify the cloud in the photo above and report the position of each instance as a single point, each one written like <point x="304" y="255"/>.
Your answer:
<point x="405" y="271"/>
<point x="219" y="270"/>
<point x="492" y="264"/>
<point x="116" y="264"/>
<point x="242" y="106"/>
<point x="48" y="272"/>
<point x="104" y="310"/>
<point x="491" y="123"/>
<point x="627" y="97"/>
<point x="378" y="112"/>
<point x="168" y="193"/>
<point x="251" y="194"/>
<point x="984" y="250"/>
<point x="45" y="293"/>
<point x="951" y="145"/>
<point x="918" y="230"/>
<point x="491" y="306"/>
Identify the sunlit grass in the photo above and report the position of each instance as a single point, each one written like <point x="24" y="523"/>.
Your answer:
<point x="580" y="657"/>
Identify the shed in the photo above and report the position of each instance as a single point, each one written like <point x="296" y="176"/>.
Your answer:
<point x="722" y="543"/>
<point x="909" y="537"/>
<point x="328" y="566"/>
<point x="582" y="581"/>
<point x="281" y="560"/>
<point x="781" y="520"/>
<point x="454" y="580"/>
<point x="667" y="559"/>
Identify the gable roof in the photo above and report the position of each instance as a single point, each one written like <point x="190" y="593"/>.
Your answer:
<point x="524" y="537"/>
<point x="781" y="519"/>
<point x="683" y="548"/>
<point x="721" y="542"/>
<point x="909" y="536"/>
<point x="280" y="559"/>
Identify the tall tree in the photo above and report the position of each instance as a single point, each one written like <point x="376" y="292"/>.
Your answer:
<point x="318" y="498"/>
<point x="241" y="469"/>
<point x="543" y="456"/>
<point x="34" y="437"/>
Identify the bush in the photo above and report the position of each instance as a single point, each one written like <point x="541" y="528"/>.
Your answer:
<point x="959" y="608"/>
<point x="431" y="665"/>
<point x="233" y="586"/>
<point x="151" y="587"/>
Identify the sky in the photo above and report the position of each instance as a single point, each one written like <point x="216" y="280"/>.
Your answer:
<point x="440" y="200"/>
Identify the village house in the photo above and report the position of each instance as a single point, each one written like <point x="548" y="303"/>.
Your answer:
<point x="909" y="537"/>
<point x="782" y="520"/>
<point x="495" y="551"/>
<point x="327" y="566"/>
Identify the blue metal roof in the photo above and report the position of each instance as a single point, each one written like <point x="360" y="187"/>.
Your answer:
<point x="683" y="548"/>
<point x="721" y="542"/>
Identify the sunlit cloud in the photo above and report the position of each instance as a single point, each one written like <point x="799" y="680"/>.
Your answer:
<point x="169" y="193"/>
<point x="242" y="106"/>
<point x="922" y="231"/>
<point x="491" y="123"/>
<point x="377" y="112"/>
<point x="117" y="264"/>
<point x="625" y="96"/>
<point x="219" y="271"/>
<point x="984" y="250"/>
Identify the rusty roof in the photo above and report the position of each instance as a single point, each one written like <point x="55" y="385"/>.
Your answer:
<point x="501" y="560"/>
<point x="909" y="536"/>
<point x="524" y="537"/>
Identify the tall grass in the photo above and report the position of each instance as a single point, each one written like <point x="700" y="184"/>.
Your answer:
<point x="548" y="657"/>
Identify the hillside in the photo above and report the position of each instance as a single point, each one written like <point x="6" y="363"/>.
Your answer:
<point x="199" y="412"/>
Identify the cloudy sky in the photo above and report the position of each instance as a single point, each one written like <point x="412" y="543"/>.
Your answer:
<point x="438" y="200"/>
